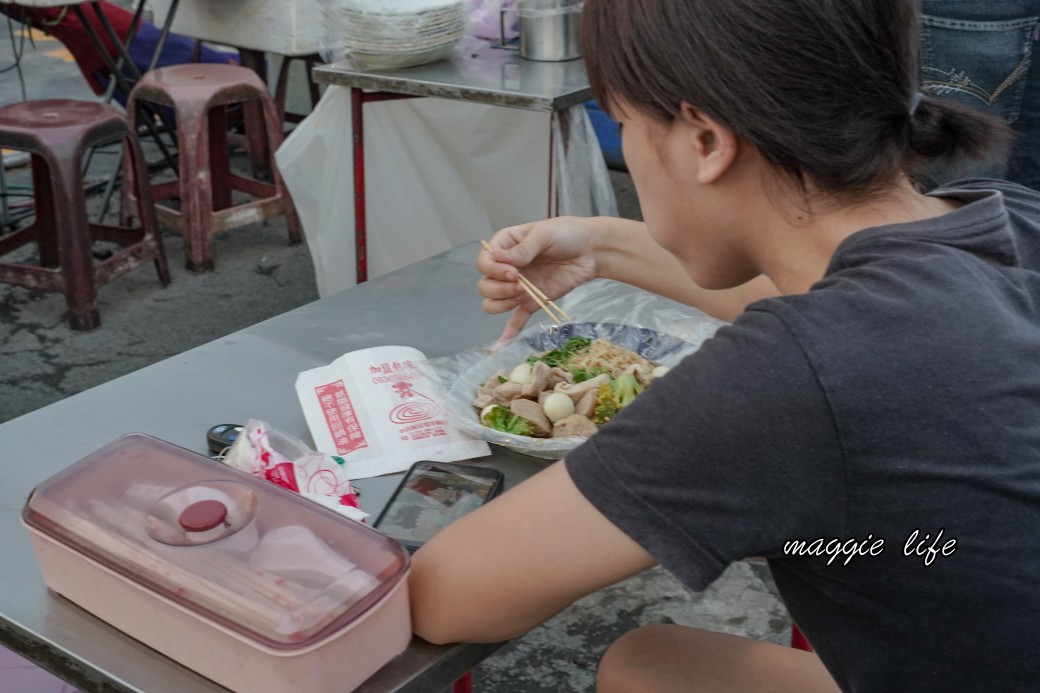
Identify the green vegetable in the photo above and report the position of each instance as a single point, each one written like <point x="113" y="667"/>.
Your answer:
<point x="581" y="376"/>
<point x="626" y="388"/>
<point x="563" y="353"/>
<point x="614" y="396"/>
<point x="502" y="380"/>
<point x="501" y="419"/>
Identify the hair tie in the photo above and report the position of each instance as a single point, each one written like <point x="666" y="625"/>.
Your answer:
<point x="915" y="101"/>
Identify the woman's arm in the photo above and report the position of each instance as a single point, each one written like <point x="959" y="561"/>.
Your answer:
<point x="560" y="254"/>
<point x="626" y="252"/>
<point x="516" y="562"/>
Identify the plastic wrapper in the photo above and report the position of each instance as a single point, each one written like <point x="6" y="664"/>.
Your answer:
<point x="656" y="328"/>
<point x="485" y="20"/>
<point x="288" y="462"/>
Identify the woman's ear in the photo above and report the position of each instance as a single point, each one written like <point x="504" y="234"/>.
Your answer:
<point x="714" y="144"/>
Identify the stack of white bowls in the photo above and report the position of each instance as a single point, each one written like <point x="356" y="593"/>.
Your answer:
<point x="400" y="33"/>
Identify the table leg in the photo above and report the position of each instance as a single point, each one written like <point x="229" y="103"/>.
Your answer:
<point x="552" y="123"/>
<point x="358" y="99"/>
<point x="357" y="110"/>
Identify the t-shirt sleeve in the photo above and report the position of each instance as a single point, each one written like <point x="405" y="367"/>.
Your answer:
<point x="730" y="455"/>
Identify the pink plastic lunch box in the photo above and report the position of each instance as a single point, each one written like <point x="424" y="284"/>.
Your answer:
<point x="247" y="583"/>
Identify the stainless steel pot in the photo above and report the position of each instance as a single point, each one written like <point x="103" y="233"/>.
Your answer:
<point x="547" y="35"/>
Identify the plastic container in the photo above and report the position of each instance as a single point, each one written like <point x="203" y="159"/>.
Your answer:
<point x="247" y="583"/>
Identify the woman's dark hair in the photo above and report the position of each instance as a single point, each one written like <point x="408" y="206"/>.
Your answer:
<point x="824" y="89"/>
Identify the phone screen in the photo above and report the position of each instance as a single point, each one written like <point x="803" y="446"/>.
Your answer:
<point x="431" y="497"/>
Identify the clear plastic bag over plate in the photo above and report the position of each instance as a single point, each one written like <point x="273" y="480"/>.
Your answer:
<point x="656" y="328"/>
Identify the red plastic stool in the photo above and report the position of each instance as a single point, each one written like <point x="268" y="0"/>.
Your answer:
<point x="58" y="132"/>
<point x="199" y="94"/>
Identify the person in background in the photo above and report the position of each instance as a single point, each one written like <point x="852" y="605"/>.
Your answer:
<point x="869" y="422"/>
<point x="980" y="53"/>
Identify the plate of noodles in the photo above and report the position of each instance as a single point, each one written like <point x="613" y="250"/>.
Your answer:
<point x="546" y="392"/>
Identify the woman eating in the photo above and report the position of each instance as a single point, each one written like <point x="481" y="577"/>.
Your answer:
<point x="869" y="422"/>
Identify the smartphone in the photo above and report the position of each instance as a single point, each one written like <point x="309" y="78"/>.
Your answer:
<point x="431" y="496"/>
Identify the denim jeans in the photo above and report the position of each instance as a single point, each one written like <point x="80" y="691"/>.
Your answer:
<point x="980" y="53"/>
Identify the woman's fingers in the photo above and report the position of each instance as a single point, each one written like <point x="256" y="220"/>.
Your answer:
<point x="513" y="250"/>
<point x="494" y="307"/>
<point x="515" y="323"/>
<point x="490" y="267"/>
<point x="519" y="246"/>
<point x="496" y="290"/>
<point x="510" y="236"/>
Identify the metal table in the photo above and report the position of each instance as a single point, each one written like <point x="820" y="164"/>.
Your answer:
<point x="490" y="76"/>
<point x="431" y="305"/>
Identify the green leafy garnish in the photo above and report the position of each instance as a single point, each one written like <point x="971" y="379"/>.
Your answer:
<point x="581" y="376"/>
<point x="563" y="353"/>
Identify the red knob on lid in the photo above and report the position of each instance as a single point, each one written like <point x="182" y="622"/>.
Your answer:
<point x="203" y="516"/>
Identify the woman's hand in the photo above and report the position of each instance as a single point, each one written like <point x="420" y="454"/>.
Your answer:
<point x="560" y="254"/>
<point x="556" y="255"/>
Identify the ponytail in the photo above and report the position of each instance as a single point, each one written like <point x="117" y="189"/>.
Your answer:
<point x="948" y="135"/>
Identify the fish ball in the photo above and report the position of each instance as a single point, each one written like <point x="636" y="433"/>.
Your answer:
<point x="558" y="406"/>
<point x="521" y="374"/>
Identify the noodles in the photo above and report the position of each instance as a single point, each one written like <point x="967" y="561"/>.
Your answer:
<point x="602" y="356"/>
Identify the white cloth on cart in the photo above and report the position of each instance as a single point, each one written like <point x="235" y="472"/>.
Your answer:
<point x="439" y="173"/>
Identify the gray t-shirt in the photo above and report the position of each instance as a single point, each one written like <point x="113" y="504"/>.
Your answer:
<point x="900" y="395"/>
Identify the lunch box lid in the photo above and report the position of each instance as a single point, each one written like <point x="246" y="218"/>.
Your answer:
<point x="258" y="559"/>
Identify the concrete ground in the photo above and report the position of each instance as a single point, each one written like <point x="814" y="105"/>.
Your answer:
<point x="258" y="275"/>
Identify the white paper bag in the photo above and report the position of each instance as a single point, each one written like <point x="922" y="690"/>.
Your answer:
<point x="378" y="412"/>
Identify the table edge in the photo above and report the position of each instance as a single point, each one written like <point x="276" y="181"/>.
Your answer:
<point x="326" y="74"/>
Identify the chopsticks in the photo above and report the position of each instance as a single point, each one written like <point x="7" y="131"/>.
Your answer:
<point x="536" y="294"/>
